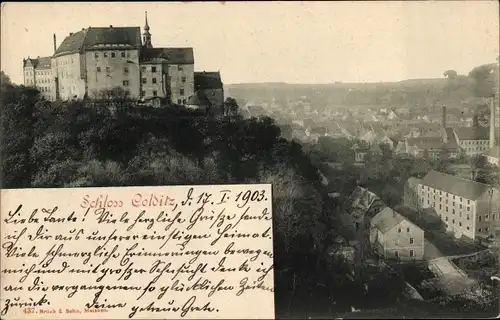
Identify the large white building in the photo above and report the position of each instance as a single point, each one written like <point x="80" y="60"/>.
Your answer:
<point x="96" y="58"/>
<point x="466" y="207"/>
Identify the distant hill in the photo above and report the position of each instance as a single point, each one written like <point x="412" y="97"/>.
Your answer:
<point x="456" y="91"/>
<point x="402" y="93"/>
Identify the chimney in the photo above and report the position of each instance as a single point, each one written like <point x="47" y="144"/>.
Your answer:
<point x="444" y="117"/>
<point x="492" y="122"/>
<point x="111" y="26"/>
<point x="55" y="48"/>
<point x="475" y="121"/>
<point x="71" y="33"/>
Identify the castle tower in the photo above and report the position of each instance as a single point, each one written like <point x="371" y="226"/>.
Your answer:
<point x="146" y="36"/>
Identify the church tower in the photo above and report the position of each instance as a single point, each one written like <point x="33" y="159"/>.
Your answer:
<point x="146" y="36"/>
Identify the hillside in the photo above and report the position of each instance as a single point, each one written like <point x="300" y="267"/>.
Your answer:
<point x="455" y="91"/>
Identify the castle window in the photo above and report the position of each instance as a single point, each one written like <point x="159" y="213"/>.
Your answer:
<point x="179" y="101"/>
<point x="108" y="69"/>
<point x="105" y="54"/>
<point x="143" y="93"/>
<point x="143" y="69"/>
<point x="181" y="92"/>
<point x="183" y="101"/>
<point x="154" y="79"/>
<point x="125" y="70"/>
<point x="112" y="54"/>
<point x="98" y="69"/>
<point x="125" y="83"/>
<point x="411" y="240"/>
<point x="183" y="79"/>
<point x="144" y="80"/>
<point x="179" y="68"/>
<point x="155" y="93"/>
<point x="123" y="54"/>
<point x="153" y="69"/>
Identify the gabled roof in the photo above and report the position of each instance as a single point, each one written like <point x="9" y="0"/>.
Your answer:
<point x="432" y="143"/>
<point x="256" y="111"/>
<point x="38" y="63"/>
<point x="207" y="81"/>
<point x="363" y="203"/>
<point x="319" y="130"/>
<point x="474" y="133"/>
<point x="168" y="55"/>
<point x="457" y="186"/>
<point x="387" y="219"/>
<point x="98" y="37"/>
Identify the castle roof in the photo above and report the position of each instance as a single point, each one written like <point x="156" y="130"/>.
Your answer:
<point x="94" y="38"/>
<point x="468" y="189"/>
<point x="168" y="55"/>
<point x="38" y="63"/>
<point x="207" y="80"/>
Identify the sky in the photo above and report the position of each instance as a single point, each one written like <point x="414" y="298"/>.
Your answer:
<point x="293" y="42"/>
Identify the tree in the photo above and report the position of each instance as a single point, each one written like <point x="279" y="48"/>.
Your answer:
<point x="230" y="107"/>
<point x="485" y="79"/>
<point x="4" y="79"/>
<point x="450" y="74"/>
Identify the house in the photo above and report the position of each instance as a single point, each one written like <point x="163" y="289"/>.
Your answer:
<point x="370" y="137"/>
<point x="315" y="132"/>
<point x="431" y="146"/>
<point x="256" y="111"/>
<point x="474" y="140"/>
<point x="392" y="116"/>
<point x="389" y="142"/>
<point x="493" y="156"/>
<point x="360" y="207"/>
<point x="465" y="206"/>
<point x="392" y="236"/>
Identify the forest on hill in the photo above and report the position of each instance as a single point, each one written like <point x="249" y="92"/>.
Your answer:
<point x="453" y="89"/>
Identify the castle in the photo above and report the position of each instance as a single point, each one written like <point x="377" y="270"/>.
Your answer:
<point x="96" y="59"/>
